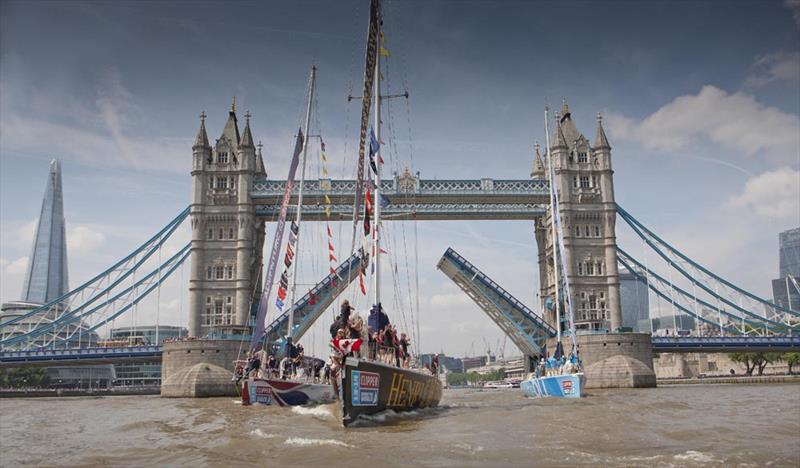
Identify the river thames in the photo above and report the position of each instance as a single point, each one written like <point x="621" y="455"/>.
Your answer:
<point x="692" y="425"/>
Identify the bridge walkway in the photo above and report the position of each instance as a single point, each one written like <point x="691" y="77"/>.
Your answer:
<point x="526" y="329"/>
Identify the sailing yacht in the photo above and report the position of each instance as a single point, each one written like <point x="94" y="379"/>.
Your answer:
<point x="557" y="376"/>
<point x="366" y="384"/>
<point x="282" y="387"/>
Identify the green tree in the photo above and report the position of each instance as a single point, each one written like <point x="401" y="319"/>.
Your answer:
<point x="745" y="358"/>
<point x="20" y="377"/>
<point x="791" y="360"/>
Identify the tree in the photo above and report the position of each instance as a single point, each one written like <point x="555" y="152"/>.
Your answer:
<point x="748" y="359"/>
<point x="791" y="360"/>
<point x="767" y="358"/>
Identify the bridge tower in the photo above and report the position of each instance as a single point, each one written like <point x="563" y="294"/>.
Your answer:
<point x="584" y="180"/>
<point x="227" y="238"/>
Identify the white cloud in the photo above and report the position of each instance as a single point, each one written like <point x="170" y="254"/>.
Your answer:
<point x="12" y="273"/>
<point x="734" y="121"/>
<point x="773" y="195"/>
<point x="780" y="66"/>
<point x="84" y="240"/>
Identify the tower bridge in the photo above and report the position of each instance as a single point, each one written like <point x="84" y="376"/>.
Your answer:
<point x="233" y="199"/>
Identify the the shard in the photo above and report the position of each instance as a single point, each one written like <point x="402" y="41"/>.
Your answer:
<point x="47" y="279"/>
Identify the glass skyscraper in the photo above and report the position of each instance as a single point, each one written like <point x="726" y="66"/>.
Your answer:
<point x="47" y="277"/>
<point x="786" y="288"/>
<point x="634" y="301"/>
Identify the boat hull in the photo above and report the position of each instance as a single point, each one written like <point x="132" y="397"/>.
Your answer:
<point x="285" y="392"/>
<point x="558" y="386"/>
<point x="369" y="387"/>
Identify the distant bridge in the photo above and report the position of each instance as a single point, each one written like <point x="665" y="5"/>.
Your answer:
<point x="79" y="357"/>
<point x="661" y="344"/>
<point x="725" y="344"/>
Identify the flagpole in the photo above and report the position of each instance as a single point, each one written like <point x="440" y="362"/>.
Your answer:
<point x="299" y="214"/>
<point x="376" y="202"/>
<point x="552" y="221"/>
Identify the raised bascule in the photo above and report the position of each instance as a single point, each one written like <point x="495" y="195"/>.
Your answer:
<point x="233" y="199"/>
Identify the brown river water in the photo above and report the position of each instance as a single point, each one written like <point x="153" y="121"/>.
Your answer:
<point x="691" y="425"/>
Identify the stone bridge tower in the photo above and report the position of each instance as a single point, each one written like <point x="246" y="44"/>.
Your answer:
<point x="227" y="238"/>
<point x="584" y="180"/>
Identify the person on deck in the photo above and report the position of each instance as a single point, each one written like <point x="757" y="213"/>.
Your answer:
<point x="404" y="349"/>
<point x="342" y="319"/>
<point x="254" y="364"/>
<point x="272" y="366"/>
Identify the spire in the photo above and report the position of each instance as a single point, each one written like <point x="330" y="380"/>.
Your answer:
<point x="247" y="137"/>
<point x="538" y="165"/>
<point x="47" y="276"/>
<point x="564" y="109"/>
<point x="201" y="141"/>
<point x="600" y="141"/>
<point x="231" y="130"/>
<point x="260" y="169"/>
<point x="558" y="137"/>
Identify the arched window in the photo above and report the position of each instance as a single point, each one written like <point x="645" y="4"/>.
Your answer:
<point x="599" y="268"/>
<point x="219" y="272"/>
<point x="580" y="269"/>
<point x="230" y="273"/>
<point x="597" y="231"/>
<point x="589" y="268"/>
<point x="230" y="233"/>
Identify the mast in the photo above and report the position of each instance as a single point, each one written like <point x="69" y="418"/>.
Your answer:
<point x="299" y="214"/>
<point x="553" y="209"/>
<point x="377" y="200"/>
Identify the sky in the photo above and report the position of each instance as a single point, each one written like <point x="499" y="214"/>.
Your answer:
<point x="701" y="104"/>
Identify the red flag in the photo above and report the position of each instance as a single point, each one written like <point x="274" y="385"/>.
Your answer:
<point x="380" y="158"/>
<point x="346" y="346"/>
<point x="329" y="231"/>
<point x="361" y="283"/>
<point x="333" y="272"/>
<point x="331" y="258"/>
<point x="330" y="246"/>
<point x="282" y="293"/>
<point x="383" y="251"/>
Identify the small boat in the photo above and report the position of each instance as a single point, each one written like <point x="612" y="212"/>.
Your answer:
<point x="498" y="384"/>
<point x="556" y="376"/>
<point x="563" y="386"/>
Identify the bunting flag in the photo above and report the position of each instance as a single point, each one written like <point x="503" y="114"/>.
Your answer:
<point x="384" y="52"/>
<point x="288" y="259"/>
<point x="325" y="189"/>
<point x="361" y="283"/>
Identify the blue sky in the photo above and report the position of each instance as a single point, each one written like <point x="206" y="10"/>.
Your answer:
<point x="701" y="103"/>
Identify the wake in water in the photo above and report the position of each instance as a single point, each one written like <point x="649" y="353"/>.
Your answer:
<point x="303" y="442"/>
<point x="390" y="417"/>
<point x="319" y="411"/>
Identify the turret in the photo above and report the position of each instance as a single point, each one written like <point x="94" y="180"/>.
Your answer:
<point x="538" y="165"/>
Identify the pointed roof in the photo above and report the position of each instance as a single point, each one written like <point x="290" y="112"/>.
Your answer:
<point x="260" y="168"/>
<point x="247" y="136"/>
<point x="201" y="141"/>
<point x="47" y="276"/>
<point x="538" y="165"/>
<point x="570" y="131"/>
<point x="558" y="139"/>
<point x="600" y="140"/>
<point x="231" y="130"/>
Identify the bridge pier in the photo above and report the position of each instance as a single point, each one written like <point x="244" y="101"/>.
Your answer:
<point x="199" y="368"/>
<point x="615" y="360"/>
